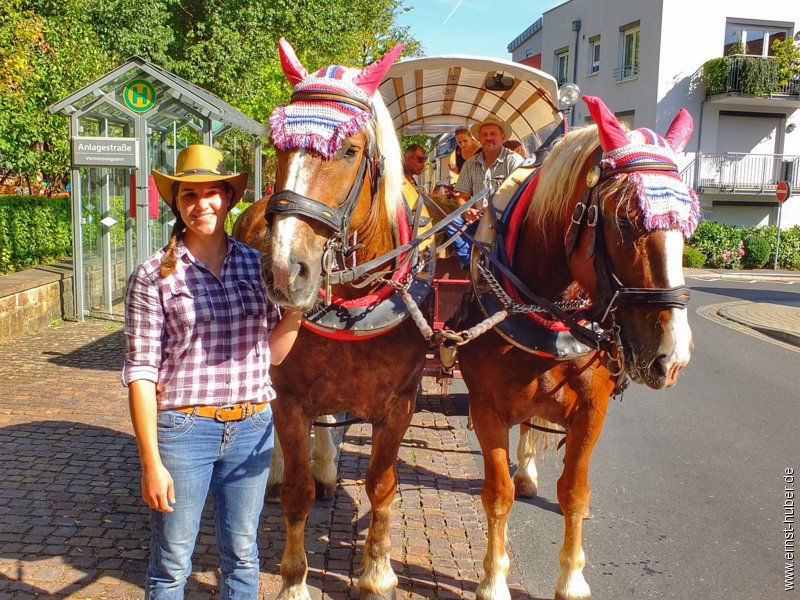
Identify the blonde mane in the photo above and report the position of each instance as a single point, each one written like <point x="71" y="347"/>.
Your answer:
<point x="391" y="183"/>
<point x="559" y="174"/>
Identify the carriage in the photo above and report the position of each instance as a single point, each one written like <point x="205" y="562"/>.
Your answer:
<point x="434" y="95"/>
<point x="575" y="284"/>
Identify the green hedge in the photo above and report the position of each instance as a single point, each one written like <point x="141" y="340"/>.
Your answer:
<point x="725" y="246"/>
<point x="34" y="230"/>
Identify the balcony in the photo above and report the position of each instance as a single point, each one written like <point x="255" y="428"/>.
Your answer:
<point x="740" y="173"/>
<point x="753" y="76"/>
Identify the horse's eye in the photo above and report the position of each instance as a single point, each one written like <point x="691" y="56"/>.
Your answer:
<point x="351" y="152"/>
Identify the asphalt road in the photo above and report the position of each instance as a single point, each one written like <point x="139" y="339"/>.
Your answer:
<point x="687" y="482"/>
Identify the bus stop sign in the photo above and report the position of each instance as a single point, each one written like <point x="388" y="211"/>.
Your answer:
<point x="783" y="190"/>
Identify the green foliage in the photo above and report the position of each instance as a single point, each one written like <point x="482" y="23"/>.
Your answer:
<point x="721" y="244"/>
<point x="759" y="75"/>
<point x="33" y="230"/>
<point x="724" y="246"/>
<point x="787" y="57"/>
<point x="737" y="47"/>
<point x="693" y="258"/>
<point x="757" y="251"/>
<point x="50" y="48"/>
<point x="715" y="74"/>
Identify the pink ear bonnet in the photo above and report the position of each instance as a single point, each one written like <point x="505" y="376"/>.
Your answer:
<point x="665" y="200"/>
<point x="326" y="107"/>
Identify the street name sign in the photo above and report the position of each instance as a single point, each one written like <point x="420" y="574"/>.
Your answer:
<point x="105" y="152"/>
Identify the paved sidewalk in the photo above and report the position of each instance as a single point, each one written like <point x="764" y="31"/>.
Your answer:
<point x="72" y="524"/>
<point x="780" y="321"/>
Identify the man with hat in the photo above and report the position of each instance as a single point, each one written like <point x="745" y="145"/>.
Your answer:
<point x="200" y="337"/>
<point x="486" y="169"/>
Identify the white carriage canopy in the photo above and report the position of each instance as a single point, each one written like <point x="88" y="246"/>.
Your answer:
<point x="433" y="95"/>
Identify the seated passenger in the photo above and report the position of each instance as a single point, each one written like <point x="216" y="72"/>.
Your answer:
<point x="486" y="169"/>
<point x="516" y="146"/>
<point x="466" y="149"/>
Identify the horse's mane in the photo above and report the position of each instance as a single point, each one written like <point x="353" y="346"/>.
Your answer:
<point x="559" y="174"/>
<point x="391" y="183"/>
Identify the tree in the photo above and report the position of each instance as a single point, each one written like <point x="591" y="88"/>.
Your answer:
<point x="41" y="61"/>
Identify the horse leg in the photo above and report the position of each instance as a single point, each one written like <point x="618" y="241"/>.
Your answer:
<point x="275" y="472"/>
<point x="378" y="581"/>
<point x="297" y="498"/>
<point x="526" y="477"/>
<point x="497" y="497"/>
<point x="323" y="468"/>
<point x="574" y="494"/>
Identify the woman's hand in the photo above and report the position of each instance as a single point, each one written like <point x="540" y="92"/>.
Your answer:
<point x="158" y="490"/>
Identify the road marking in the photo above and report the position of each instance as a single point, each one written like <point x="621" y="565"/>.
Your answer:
<point x="711" y="312"/>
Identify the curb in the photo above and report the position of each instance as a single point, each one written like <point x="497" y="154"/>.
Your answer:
<point x="778" y="334"/>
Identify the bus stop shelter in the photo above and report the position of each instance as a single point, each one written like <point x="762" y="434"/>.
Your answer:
<point x="135" y="118"/>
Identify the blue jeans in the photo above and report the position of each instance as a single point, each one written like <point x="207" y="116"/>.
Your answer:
<point x="462" y="247"/>
<point x="232" y="460"/>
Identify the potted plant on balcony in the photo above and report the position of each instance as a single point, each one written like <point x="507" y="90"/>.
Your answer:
<point x="787" y="58"/>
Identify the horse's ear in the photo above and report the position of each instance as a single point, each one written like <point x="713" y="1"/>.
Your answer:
<point x="611" y="134"/>
<point x="370" y="78"/>
<point x="680" y="130"/>
<point x="292" y="67"/>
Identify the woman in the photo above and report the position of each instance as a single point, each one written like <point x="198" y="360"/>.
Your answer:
<point x="467" y="146"/>
<point x="200" y="336"/>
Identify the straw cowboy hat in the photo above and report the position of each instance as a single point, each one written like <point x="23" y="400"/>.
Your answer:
<point x="199" y="163"/>
<point x="490" y="120"/>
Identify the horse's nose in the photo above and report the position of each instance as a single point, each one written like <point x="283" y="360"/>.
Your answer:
<point x="668" y="366"/>
<point x="298" y="273"/>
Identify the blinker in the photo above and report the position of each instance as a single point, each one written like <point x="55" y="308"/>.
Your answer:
<point x="593" y="176"/>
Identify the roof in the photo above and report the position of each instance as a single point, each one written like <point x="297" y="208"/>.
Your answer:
<point x="518" y="41"/>
<point x="179" y="100"/>
<point x="437" y="94"/>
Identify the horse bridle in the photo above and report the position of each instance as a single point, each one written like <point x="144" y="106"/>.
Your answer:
<point x="610" y="292"/>
<point x="336" y="219"/>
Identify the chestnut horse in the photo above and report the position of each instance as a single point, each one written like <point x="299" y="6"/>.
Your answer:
<point x="613" y="228"/>
<point x="251" y="228"/>
<point x="338" y="194"/>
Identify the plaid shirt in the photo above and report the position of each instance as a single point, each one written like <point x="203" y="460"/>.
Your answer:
<point x="475" y="175"/>
<point x="202" y="340"/>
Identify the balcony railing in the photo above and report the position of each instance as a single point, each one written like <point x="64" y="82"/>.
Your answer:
<point x="626" y="72"/>
<point x="740" y="173"/>
<point x="749" y="75"/>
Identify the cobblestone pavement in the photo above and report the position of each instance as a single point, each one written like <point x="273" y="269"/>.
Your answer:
<point x="72" y="524"/>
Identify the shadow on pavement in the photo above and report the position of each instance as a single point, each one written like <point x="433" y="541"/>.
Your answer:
<point x="753" y="295"/>
<point x="104" y="354"/>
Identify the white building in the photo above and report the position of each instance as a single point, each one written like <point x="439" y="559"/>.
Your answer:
<point x="645" y="59"/>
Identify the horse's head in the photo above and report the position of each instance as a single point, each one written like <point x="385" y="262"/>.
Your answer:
<point x="337" y="153"/>
<point x="624" y="231"/>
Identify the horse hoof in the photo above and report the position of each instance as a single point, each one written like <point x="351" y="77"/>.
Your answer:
<point x="325" y="491"/>
<point x="560" y="597"/>
<point x="368" y="595"/>
<point x="525" y="488"/>
<point x="274" y="493"/>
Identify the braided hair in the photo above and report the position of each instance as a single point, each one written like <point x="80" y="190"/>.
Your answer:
<point x="169" y="260"/>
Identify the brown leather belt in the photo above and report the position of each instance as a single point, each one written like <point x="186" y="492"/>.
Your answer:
<point x="229" y="412"/>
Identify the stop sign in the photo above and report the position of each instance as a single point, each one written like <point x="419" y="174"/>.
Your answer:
<point x="783" y="190"/>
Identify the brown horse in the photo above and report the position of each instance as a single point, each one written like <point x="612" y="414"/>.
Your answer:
<point x="613" y="228"/>
<point x="338" y="202"/>
<point x="251" y="228"/>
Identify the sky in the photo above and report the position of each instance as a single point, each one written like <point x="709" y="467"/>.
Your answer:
<point x="478" y="27"/>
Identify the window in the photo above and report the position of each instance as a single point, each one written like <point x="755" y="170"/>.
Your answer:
<point x="594" y="55"/>
<point x="752" y="38"/>
<point x="629" y="63"/>
<point x="562" y="65"/>
<point x="630" y="54"/>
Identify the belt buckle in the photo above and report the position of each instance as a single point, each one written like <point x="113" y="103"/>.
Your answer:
<point x="230" y="412"/>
